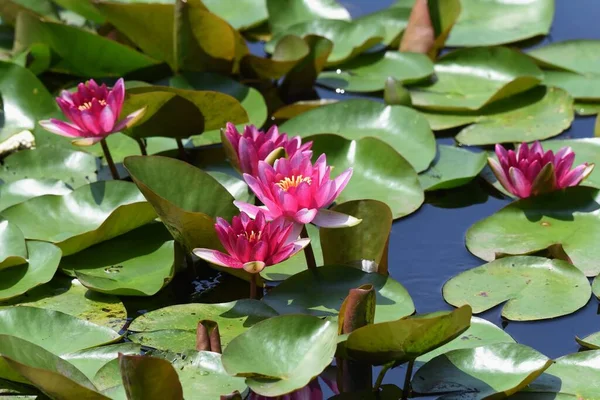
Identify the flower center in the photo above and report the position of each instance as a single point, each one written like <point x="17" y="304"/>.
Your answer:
<point x="252" y="236"/>
<point x="291" y="182"/>
<point x="88" y="105"/>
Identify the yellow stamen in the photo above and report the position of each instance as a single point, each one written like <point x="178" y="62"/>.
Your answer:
<point x="85" y="106"/>
<point x="253" y="236"/>
<point x="102" y="102"/>
<point x="294" y="181"/>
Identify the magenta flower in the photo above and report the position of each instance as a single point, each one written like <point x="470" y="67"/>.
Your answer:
<point x="299" y="191"/>
<point x="93" y="111"/>
<point x="253" y="145"/>
<point x="530" y="171"/>
<point x="253" y="244"/>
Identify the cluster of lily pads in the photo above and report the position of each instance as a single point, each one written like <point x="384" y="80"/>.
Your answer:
<point x="208" y="149"/>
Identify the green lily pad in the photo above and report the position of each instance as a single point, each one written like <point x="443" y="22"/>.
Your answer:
<point x="488" y="23"/>
<point x="40" y="267"/>
<point x="174" y="328"/>
<point x="537" y="114"/>
<point x="590" y="342"/>
<point x="89" y="215"/>
<point x="579" y="56"/>
<point x="468" y="79"/>
<point x="407" y="338"/>
<point x="286" y="13"/>
<point x="329" y="286"/>
<point x="25" y="100"/>
<point x="180" y="113"/>
<point x="568" y="218"/>
<point x="580" y="87"/>
<point x="587" y="150"/>
<point x="26" y="362"/>
<point x="18" y="191"/>
<point x="75" y="168"/>
<point x="186" y="198"/>
<point x="281" y="354"/>
<point x="586" y="107"/>
<point x="138" y="263"/>
<point x="496" y="370"/>
<point x="71" y="44"/>
<point x="367" y="241"/>
<point x="13" y="250"/>
<point x="401" y="127"/>
<point x="90" y="361"/>
<point x="393" y="20"/>
<point x="573" y="374"/>
<point x="349" y="39"/>
<point x="109" y="381"/>
<point x="140" y="375"/>
<point x="11" y="8"/>
<point x="55" y="331"/>
<point x="377" y="169"/>
<point x="454" y="167"/>
<point x="533" y="287"/>
<point x="239" y="14"/>
<point x="69" y="296"/>
<point x="481" y="333"/>
<point x="596" y="286"/>
<point x="368" y="72"/>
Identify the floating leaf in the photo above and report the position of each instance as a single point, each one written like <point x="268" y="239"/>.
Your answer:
<point x="75" y="168"/>
<point x="468" y="79"/>
<point x="147" y="377"/>
<point x="367" y="241"/>
<point x="18" y="191"/>
<point x="329" y="286"/>
<point x="138" y="263"/>
<point x="533" y="288"/>
<point x="496" y="22"/>
<point x="90" y="214"/>
<point x="286" y="13"/>
<point x="401" y="127"/>
<point x="393" y="20"/>
<point x="452" y="168"/>
<point x="368" y="72"/>
<point x="69" y="296"/>
<point x="240" y="14"/>
<point x="25" y="100"/>
<point x="174" y="328"/>
<point x="596" y="286"/>
<point x="55" y="331"/>
<point x="186" y="198"/>
<point x="72" y="45"/>
<point x="537" y="114"/>
<point x="499" y="369"/>
<point x="281" y="354"/>
<point x="567" y="218"/>
<point x="407" y="338"/>
<point x="90" y="361"/>
<point x="13" y="250"/>
<point x="580" y="87"/>
<point x="579" y="56"/>
<point x="480" y="333"/>
<point x="377" y="169"/>
<point x="587" y="108"/>
<point x="40" y="267"/>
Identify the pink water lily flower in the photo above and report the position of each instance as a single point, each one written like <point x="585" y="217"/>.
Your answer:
<point x="253" y="244"/>
<point x="93" y="111"/>
<point x="254" y="145"/>
<point x="299" y="191"/>
<point x="529" y="171"/>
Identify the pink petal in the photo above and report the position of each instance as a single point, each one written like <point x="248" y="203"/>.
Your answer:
<point x="65" y="95"/>
<point x="107" y="119"/>
<point x="501" y="175"/>
<point x="218" y="258"/>
<point x="251" y="209"/>
<point x="62" y="128"/>
<point x="340" y="183"/>
<point x="523" y="152"/>
<point x="564" y="165"/>
<point x="130" y="120"/>
<point x="575" y="176"/>
<point x="305" y="216"/>
<point x="248" y="157"/>
<point x="332" y="219"/>
<point x="537" y="149"/>
<point x="118" y="92"/>
<point x="90" y="122"/>
<point x="520" y="183"/>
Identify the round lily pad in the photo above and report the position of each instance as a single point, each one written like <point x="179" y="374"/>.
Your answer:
<point x="283" y="14"/>
<point x="18" y="191"/>
<point x="282" y="354"/>
<point x="90" y="361"/>
<point x="567" y="218"/>
<point x="240" y="14"/>
<point x="174" y="328"/>
<point x="468" y="79"/>
<point x="580" y="87"/>
<point x="138" y="263"/>
<point x="329" y="286"/>
<point x="533" y="287"/>
<point x="499" y="369"/>
<point x="596" y="286"/>
<point x="402" y="128"/>
<point x="378" y="170"/>
<point x="487" y="23"/>
<point x="452" y="168"/>
<point x="368" y="72"/>
<point x="40" y="267"/>
<point x="13" y="250"/>
<point x="580" y="56"/>
<point x="88" y="215"/>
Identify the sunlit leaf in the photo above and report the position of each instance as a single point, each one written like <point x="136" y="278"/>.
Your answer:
<point x="18" y="191"/>
<point x="286" y="13"/>
<point x="453" y="167"/>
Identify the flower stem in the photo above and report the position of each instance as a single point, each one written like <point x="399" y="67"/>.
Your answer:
<point x="109" y="160"/>
<point x="381" y="375"/>
<point x="142" y="145"/>
<point x="308" y="250"/>
<point x="253" y="286"/>
<point x="181" y="149"/>
<point x="407" y="389"/>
